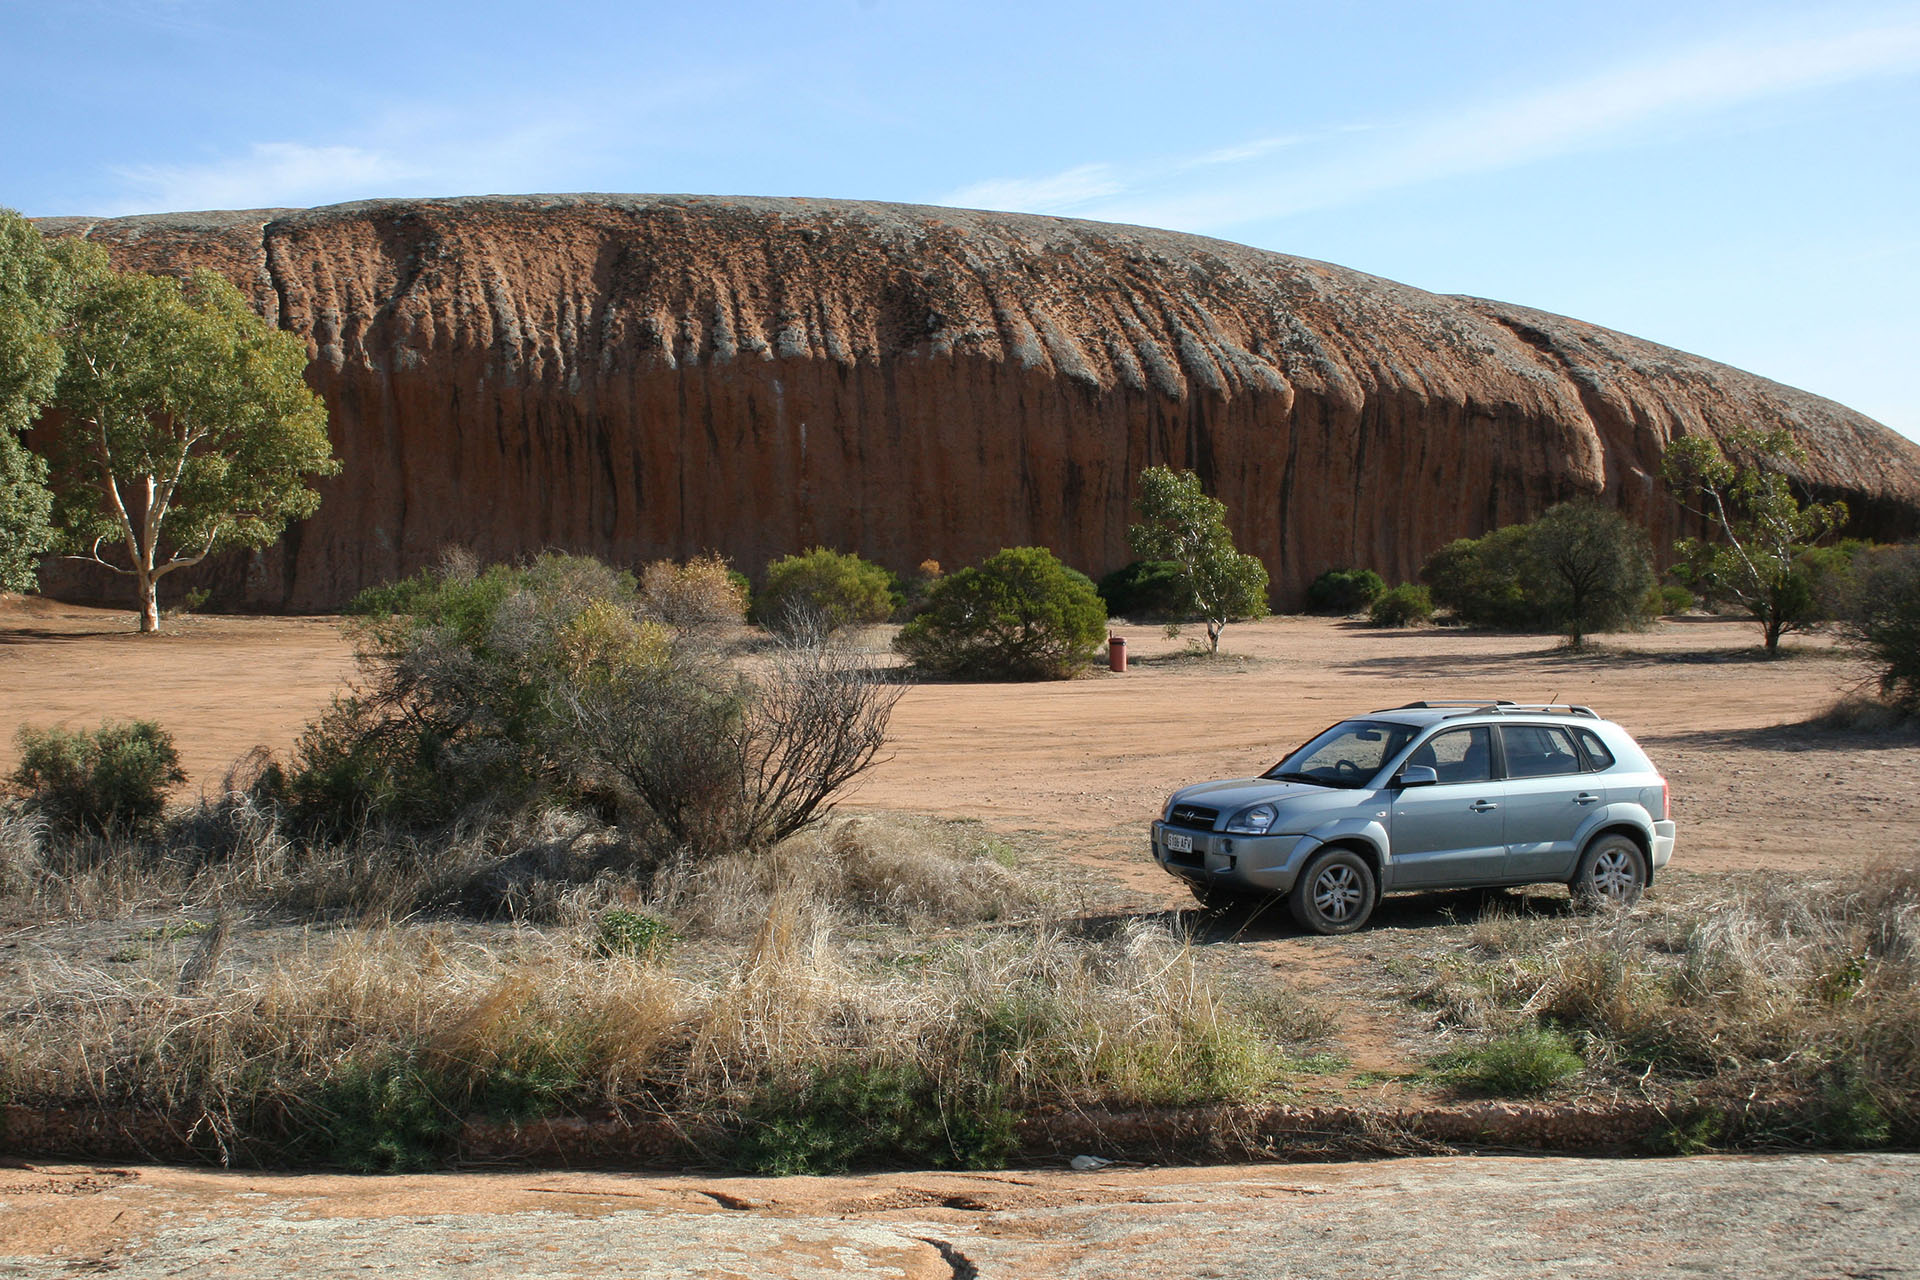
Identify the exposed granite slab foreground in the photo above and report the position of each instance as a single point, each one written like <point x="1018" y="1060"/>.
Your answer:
<point x="1800" y="1216"/>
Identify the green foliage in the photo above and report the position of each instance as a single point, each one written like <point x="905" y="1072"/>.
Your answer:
<point x="866" y="1114"/>
<point x="1403" y="606"/>
<point x="1762" y="529"/>
<point x="1181" y="524"/>
<point x="1019" y="615"/>
<point x="33" y="301"/>
<point x="1522" y="1063"/>
<point x="457" y="706"/>
<point x="1669" y="599"/>
<point x="634" y="934"/>
<point x="1588" y="567"/>
<point x="825" y="590"/>
<point x="1480" y="581"/>
<point x="1579" y="568"/>
<point x="112" y="780"/>
<point x="1884" y="623"/>
<point x="383" y="1117"/>
<point x="1144" y="589"/>
<point x="187" y="425"/>
<point x="1345" y="591"/>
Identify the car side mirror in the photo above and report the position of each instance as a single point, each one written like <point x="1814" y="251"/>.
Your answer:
<point x="1417" y="775"/>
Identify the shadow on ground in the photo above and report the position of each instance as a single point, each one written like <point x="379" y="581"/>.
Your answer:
<point x="1267" y="919"/>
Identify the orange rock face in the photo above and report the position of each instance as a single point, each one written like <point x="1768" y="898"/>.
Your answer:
<point x="645" y="376"/>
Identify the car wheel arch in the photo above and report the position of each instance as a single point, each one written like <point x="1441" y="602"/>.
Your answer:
<point x="1640" y="839"/>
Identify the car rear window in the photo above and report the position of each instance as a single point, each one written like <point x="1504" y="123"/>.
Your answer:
<point x="1538" y="751"/>
<point x="1598" y="757"/>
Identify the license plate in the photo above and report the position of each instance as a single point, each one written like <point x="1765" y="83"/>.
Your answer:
<point x="1177" y="843"/>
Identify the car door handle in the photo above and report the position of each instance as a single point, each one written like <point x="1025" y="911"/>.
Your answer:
<point x="1586" y="797"/>
<point x="1483" y="806"/>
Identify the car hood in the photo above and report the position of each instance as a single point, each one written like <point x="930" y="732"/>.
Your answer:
<point x="1295" y="800"/>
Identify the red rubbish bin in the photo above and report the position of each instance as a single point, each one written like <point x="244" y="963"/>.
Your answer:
<point x="1117" y="654"/>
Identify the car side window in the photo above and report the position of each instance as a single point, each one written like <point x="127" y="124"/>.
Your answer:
<point x="1598" y="757"/>
<point x="1538" y="751"/>
<point x="1458" y="755"/>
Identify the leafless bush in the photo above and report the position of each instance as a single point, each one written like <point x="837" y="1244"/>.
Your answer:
<point x="724" y="762"/>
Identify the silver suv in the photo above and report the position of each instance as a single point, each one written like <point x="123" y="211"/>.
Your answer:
<point x="1432" y="795"/>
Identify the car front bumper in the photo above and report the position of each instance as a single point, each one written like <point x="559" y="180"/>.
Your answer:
<point x="1247" y="864"/>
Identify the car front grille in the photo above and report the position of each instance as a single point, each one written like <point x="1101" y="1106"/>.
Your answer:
<point x="1192" y="815"/>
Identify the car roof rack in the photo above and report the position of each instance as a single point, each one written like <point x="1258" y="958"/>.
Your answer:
<point x="1496" y="706"/>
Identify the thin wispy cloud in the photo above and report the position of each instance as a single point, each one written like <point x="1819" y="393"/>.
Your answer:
<point x="266" y="175"/>
<point x="414" y="149"/>
<point x="1055" y="193"/>
<point x="1266" y="178"/>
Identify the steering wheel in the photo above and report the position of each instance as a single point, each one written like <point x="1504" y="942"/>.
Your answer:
<point x="1346" y="769"/>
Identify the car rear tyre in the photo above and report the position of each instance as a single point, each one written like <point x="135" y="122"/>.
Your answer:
<point x="1336" y="893"/>
<point x="1613" y="873"/>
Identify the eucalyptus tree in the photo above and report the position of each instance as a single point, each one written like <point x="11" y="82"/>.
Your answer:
<point x="184" y="424"/>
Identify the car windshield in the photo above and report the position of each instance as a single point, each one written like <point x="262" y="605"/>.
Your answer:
<point x="1346" y="755"/>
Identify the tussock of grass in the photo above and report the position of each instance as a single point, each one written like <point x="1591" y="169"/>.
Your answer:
<point x="1806" y="989"/>
<point x="893" y="968"/>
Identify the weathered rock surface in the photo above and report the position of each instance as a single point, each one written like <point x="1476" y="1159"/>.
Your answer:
<point x="638" y="376"/>
<point x="1464" y="1218"/>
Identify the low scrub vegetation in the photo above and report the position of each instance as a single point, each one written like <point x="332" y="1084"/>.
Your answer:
<point x="1403" y="606"/>
<point x="1019" y="615"/>
<point x="1579" y="568"/>
<point x="823" y="591"/>
<point x="112" y="780"/>
<point x="1345" y="591"/>
<point x="1802" y="994"/>
<point x="755" y="995"/>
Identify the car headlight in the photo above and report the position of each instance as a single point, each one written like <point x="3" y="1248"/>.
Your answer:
<point x="1253" y="822"/>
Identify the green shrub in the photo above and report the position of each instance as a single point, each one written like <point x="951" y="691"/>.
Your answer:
<point x="824" y="589"/>
<point x="1144" y="589"/>
<point x="1478" y="580"/>
<point x="866" y="1114"/>
<point x="1519" y="1064"/>
<point x="1580" y="567"/>
<point x="1018" y="615"/>
<point x="1345" y="591"/>
<point x="1884" y="623"/>
<point x="457" y="710"/>
<point x="383" y="1117"/>
<point x="111" y="780"/>
<point x="1403" y="606"/>
<point x="620" y="932"/>
<point x="1666" y="600"/>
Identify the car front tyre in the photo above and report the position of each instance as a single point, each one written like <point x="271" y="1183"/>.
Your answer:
<point x="1336" y="893"/>
<point x="1613" y="873"/>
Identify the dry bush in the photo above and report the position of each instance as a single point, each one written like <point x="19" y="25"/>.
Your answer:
<point x="899" y="870"/>
<point x="1785" y="987"/>
<point x="704" y="594"/>
<point x="721" y="762"/>
<point x="261" y="1056"/>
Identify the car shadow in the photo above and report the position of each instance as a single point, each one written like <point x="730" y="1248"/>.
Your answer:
<point x="1268" y="919"/>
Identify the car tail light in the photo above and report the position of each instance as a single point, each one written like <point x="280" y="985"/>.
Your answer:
<point x="1666" y="801"/>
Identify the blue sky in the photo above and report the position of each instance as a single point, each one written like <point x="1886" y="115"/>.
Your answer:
<point x="1735" y="179"/>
